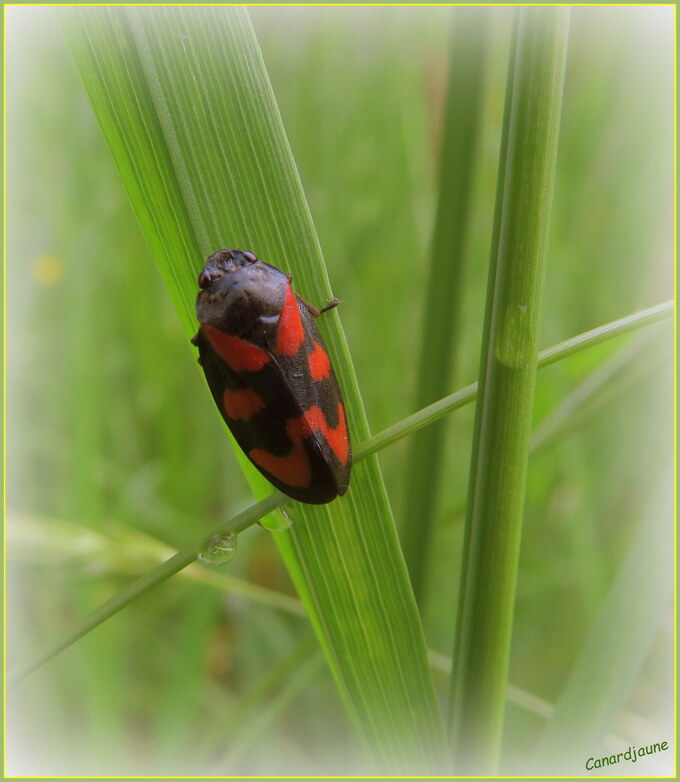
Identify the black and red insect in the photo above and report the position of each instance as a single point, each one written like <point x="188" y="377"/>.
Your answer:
<point x="271" y="376"/>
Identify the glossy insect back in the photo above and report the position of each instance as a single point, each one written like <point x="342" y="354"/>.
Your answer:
<point x="271" y="376"/>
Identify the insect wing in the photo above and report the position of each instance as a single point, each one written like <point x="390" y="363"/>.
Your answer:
<point x="271" y="377"/>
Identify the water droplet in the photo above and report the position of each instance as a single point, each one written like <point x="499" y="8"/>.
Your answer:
<point x="286" y="512"/>
<point x="280" y="520"/>
<point x="219" y="549"/>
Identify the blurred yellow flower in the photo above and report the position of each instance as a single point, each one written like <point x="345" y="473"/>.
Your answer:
<point x="47" y="269"/>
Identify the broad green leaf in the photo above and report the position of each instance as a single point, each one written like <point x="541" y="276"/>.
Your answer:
<point x="184" y="102"/>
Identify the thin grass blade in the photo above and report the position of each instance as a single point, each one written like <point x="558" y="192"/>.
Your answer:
<point x="442" y="305"/>
<point x="616" y="647"/>
<point x="371" y="446"/>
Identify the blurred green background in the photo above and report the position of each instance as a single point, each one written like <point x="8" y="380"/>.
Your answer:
<point x="116" y="452"/>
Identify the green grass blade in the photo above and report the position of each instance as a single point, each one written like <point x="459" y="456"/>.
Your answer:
<point x="546" y="357"/>
<point x="187" y="109"/>
<point x="562" y="415"/>
<point x="149" y="581"/>
<point x="490" y="292"/>
<point x="616" y="647"/>
<point x="496" y="497"/>
<point x="370" y="446"/>
<point x="442" y="305"/>
<point x="249" y="732"/>
<point x="602" y="333"/>
<point x="122" y="550"/>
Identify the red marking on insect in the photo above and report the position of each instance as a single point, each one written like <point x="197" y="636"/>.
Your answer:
<point x="291" y="333"/>
<point x="242" y="298"/>
<point x="242" y="404"/>
<point x="336" y="437"/>
<point x="293" y="468"/>
<point x="238" y="353"/>
<point x="319" y="363"/>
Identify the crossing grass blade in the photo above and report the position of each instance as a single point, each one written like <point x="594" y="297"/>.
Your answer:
<point x="251" y="515"/>
<point x="184" y="102"/>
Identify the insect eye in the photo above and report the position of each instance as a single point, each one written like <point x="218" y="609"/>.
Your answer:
<point x="206" y="277"/>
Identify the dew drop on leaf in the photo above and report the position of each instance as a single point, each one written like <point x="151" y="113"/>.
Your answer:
<point x="219" y="549"/>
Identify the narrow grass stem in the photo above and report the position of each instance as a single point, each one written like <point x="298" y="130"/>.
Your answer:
<point x="142" y="585"/>
<point x="502" y="431"/>
<point x="546" y="357"/>
<point x="374" y="444"/>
